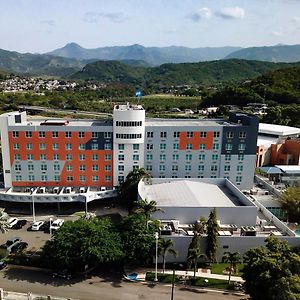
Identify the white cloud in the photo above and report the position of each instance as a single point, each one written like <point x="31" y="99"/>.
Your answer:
<point x="296" y="21"/>
<point x="48" y="22"/>
<point x="94" y="17"/>
<point x="277" y="33"/>
<point x="200" y="14"/>
<point x="232" y="13"/>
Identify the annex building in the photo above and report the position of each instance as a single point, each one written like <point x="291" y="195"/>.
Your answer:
<point x="64" y="156"/>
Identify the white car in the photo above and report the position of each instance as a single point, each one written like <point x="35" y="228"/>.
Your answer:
<point x="56" y="224"/>
<point x="37" y="225"/>
<point x="12" y="221"/>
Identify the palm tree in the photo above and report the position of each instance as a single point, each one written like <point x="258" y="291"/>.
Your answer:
<point x="146" y="208"/>
<point x="164" y="248"/>
<point x="3" y="221"/>
<point x="233" y="258"/>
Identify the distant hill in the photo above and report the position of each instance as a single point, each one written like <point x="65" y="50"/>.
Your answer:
<point x="38" y="64"/>
<point x="178" y="74"/>
<point x="280" y="53"/>
<point x="152" y="55"/>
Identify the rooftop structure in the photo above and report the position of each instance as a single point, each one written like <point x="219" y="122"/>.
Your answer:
<point x="277" y="130"/>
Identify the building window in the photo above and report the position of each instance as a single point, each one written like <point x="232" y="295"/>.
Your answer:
<point x="175" y="146"/>
<point x="81" y="146"/>
<point x="68" y="134"/>
<point x="214" y="168"/>
<point x="239" y="168"/>
<point x="57" y="178"/>
<point x="69" y="178"/>
<point x="228" y="146"/>
<point x="44" y="167"/>
<point x="82" y="168"/>
<point x="136" y="146"/>
<point x="149" y="167"/>
<point x="55" y="134"/>
<point x="227" y="177"/>
<point x="226" y="168"/>
<point x="94" y="146"/>
<point x="176" y="134"/>
<point x="149" y="134"/>
<point x="68" y="146"/>
<point x="81" y="134"/>
<point x="189" y="147"/>
<point x="42" y="134"/>
<point x="241" y="157"/>
<point x="188" y="168"/>
<point x="214" y="156"/>
<point x="120" y="179"/>
<point x="216" y="134"/>
<point x="242" y="146"/>
<point x="95" y="157"/>
<point x="56" y="156"/>
<point x="44" y="178"/>
<point x="107" y="135"/>
<point x="107" y="178"/>
<point x="203" y="134"/>
<point x="242" y="134"/>
<point x="29" y="156"/>
<point x="162" y="146"/>
<point x="28" y="134"/>
<point x="56" y="167"/>
<point x="190" y="134"/>
<point x="29" y="146"/>
<point x="121" y="168"/>
<point x="174" y="168"/>
<point x="107" y="146"/>
<point x="135" y="157"/>
<point x="215" y="146"/>
<point x="43" y="157"/>
<point x="18" y="178"/>
<point x="135" y="167"/>
<point x="202" y="157"/>
<point x="227" y="156"/>
<point x="81" y="157"/>
<point x="163" y="134"/>
<point x="31" y="177"/>
<point x="69" y="168"/>
<point x="107" y="168"/>
<point x="69" y="157"/>
<point x="55" y="146"/>
<point x="95" y="167"/>
<point x="202" y="146"/>
<point x="187" y="176"/>
<point x="162" y="167"/>
<point x="15" y="134"/>
<point x="149" y="146"/>
<point x="201" y="168"/>
<point x="121" y="157"/>
<point x="16" y="146"/>
<point x="94" y="135"/>
<point x="121" y="146"/>
<point x="18" y="168"/>
<point x="229" y="135"/>
<point x="149" y="157"/>
<point x="238" y="178"/>
<point x="82" y="178"/>
<point x="162" y="157"/>
<point x="188" y="157"/>
<point x="17" y="156"/>
<point x="213" y="176"/>
<point x="175" y="156"/>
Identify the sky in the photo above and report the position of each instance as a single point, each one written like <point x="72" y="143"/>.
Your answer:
<point x="39" y="26"/>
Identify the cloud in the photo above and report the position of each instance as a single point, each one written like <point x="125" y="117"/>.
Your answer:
<point x="94" y="17"/>
<point x="200" y="14"/>
<point x="296" y="21"/>
<point x="48" y="22"/>
<point x="231" y="13"/>
<point x="277" y="33"/>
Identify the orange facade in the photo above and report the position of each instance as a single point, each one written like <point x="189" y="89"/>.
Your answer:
<point x="287" y="153"/>
<point x="196" y="140"/>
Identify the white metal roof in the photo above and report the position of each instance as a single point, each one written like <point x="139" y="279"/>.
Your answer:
<point x="187" y="193"/>
<point x="289" y="169"/>
<point x="279" y="130"/>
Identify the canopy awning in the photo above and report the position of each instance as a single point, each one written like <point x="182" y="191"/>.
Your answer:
<point x="270" y="170"/>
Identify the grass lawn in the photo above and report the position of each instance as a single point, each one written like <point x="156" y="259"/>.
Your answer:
<point x="218" y="268"/>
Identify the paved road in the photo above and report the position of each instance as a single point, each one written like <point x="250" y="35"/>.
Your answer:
<point x="95" y="288"/>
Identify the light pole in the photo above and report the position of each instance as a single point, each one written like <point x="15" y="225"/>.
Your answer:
<point x="33" y="208"/>
<point x="156" y="250"/>
<point x="50" y="229"/>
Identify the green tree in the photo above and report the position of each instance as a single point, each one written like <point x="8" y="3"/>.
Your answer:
<point x="3" y="221"/>
<point x="212" y="236"/>
<point x="200" y="225"/>
<point x="146" y="208"/>
<point x="83" y="242"/>
<point x="194" y="252"/>
<point x="290" y="200"/>
<point x="233" y="258"/>
<point x="166" y="247"/>
<point x="272" y="272"/>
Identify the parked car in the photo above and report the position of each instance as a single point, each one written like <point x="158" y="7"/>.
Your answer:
<point x="37" y="225"/>
<point x="2" y="265"/>
<point x="46" y="227"/>
<point x="18" y="246"/>
<point x="12" y="221"/>
<point x="56" y="224"/>
<point x="19" y="224"/>
<point x="12" y="241"/>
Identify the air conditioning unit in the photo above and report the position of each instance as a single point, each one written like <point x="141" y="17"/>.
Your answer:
<point x="103" y="188"/>
<point x="82" y="190"/>
<point x="42" y="190"/>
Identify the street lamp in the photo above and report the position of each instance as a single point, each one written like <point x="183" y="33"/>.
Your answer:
<point x="50" y="229"/>
<point x="33" y="208"/>
<point x="156" y="250"/>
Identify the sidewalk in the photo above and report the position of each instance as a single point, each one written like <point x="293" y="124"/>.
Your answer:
<point x="27" y="296"/>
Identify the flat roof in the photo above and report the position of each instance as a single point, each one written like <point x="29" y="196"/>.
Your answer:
<point x="289" y="169"/>
<point x="69" y="122"/>
<point x="280" y="130"/>
<point x="188" y="193"/>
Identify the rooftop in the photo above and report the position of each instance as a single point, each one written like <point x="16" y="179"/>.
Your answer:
<point x="279" y="130"/>
<point x="289" y="169"/>
<point x="266" y="140"/>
